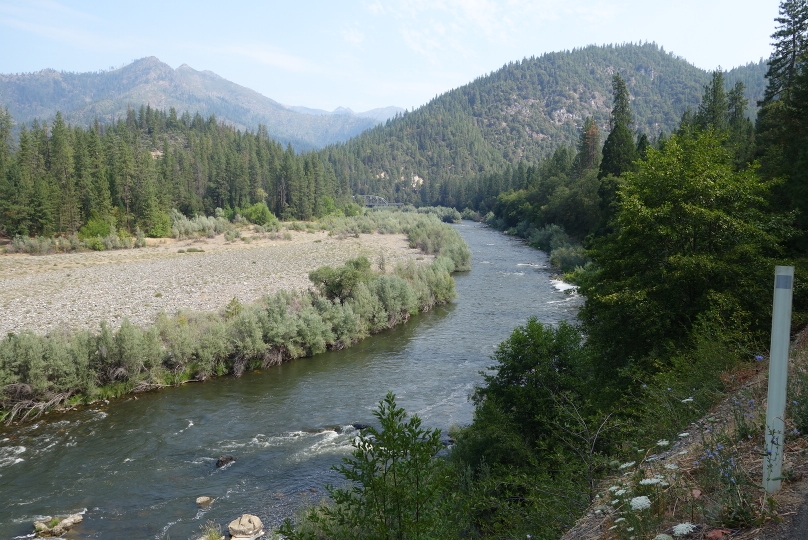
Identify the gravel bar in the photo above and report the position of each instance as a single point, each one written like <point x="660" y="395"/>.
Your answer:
<point x="79" y="290"/>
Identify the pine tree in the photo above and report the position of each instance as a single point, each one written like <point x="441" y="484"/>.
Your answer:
<point x="791" y="43"/>
<point x="778" y="143"/>
<point x="619" y="152"/>
<point x="61" y="170"/>
<point x="713" y="110"/>
<point x="588" y="147"/>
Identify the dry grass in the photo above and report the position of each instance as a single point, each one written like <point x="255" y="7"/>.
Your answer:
<point x="685" y="494"/>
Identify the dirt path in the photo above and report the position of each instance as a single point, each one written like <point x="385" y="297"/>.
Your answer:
<point x="79" y="290"/>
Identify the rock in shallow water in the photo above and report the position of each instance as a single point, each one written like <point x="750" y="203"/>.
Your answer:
<point x="204" y="501"/>
<point x="246" y="527"/>
<point x="224" y="460"/>
<point x="43" y="528"/>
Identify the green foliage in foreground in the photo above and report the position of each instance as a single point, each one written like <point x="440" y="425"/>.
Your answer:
<point x="395" y="484"/>
<point x="693" y="239"/>
<point x="36" y="369"/>
<point x="544" y="432"/>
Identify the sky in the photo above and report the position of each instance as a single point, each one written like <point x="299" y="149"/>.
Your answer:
<point x="366" y="54"/>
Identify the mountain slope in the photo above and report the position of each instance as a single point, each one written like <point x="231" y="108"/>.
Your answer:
<point x="524" y="111"/>
<point x="83" y="97"/>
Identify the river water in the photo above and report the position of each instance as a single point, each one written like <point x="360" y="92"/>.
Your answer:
<point x="136" y="466"/>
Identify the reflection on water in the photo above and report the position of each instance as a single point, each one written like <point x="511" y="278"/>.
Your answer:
<point x="137" y="465"/>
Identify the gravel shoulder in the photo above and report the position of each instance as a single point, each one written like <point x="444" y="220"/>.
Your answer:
<point x="79" y="290"/>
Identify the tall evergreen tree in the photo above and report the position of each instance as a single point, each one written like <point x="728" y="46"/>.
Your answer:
<point x="713" y="110"/>
<point x="790" y="44"/>
<point x="778" y="143"/>
<point x="588" y="147"/>
<point x="61" y="170"/>
<point x="619" y="151"/>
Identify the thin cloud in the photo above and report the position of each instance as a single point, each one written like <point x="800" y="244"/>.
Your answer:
<point x="71" y="36"/>
<point x="273" y="57"/>
<point x="353" y="35"/>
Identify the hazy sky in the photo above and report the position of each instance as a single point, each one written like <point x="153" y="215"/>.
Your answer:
<point x="366" y="53"/>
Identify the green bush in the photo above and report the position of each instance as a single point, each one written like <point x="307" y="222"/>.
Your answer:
<point x="159" y="226"/>
<point x="96" y="243"/>
<point x="259" y="214"/>
<point x="395" y="483"/>
<point x="95" y="227"/>
<point x="352" y="302"/>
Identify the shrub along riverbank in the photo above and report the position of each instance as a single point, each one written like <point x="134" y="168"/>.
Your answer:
<point x="348" y="303"/>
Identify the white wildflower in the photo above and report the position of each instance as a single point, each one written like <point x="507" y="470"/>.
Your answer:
<point x="630" y="529"/>
<point x="619" y="520"/>
<point x="683" y="435"/>
<point x="663" y="536"/>
<point x="640" y="503"/>
<point x="687" y="400"/>
<point x="627" y="465"/>
<point x="649" y="481"/>
<point x="615" y="502"/>
<point x="683" y="529"/>
<point x="683" y="453"/>
<point x="620" y="492"/>
<point x="671" y="466"/>
<point x="614" y="488"/>
<point x="663" y="442"/>
<point x="613" y="527"/>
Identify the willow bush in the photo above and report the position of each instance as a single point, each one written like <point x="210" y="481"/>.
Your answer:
<point x="334" y="314"/>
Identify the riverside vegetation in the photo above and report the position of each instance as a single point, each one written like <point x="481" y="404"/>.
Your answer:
<point x="346" y="304"/>
<point x="682" y="232"/>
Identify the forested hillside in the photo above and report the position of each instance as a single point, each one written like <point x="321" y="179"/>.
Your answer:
<point x="462" y="149"/>
<point x="106" y="96"/>
<point x="524" y="111"/>
<point x="131" y="174"/>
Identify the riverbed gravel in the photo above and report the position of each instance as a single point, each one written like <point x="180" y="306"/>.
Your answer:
<point x="78" y="290"/>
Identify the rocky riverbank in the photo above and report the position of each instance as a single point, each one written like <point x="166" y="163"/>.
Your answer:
<point x="78" y="290"/>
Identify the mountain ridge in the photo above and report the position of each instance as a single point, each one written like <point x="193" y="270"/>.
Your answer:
<point x="523" y="112"/>
<point x="83" y="97"/>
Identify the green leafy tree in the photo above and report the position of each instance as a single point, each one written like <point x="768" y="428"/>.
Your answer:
<point x="396" y="484"/>
<point x="692" y="238"/>
<point x="339" y="283"/>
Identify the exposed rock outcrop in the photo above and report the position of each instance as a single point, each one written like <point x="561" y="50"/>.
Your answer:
<point x="56" y="526"/>
<point x="246" y="527"/>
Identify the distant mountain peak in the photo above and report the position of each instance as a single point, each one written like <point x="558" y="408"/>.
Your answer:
<point x="106" y="96"/>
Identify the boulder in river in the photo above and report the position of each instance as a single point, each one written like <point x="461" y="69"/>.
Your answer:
<point x="247" y="527"/>
<point x="204" y="501"/>
<point x="224" y="460"/>
<point x="56" y="526"/>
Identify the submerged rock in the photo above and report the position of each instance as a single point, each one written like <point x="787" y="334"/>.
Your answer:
<point x="224" y="460"/>
<point x="204" y="501"/>
<point x="246" y="527"/>
<point x="360" y="426"/>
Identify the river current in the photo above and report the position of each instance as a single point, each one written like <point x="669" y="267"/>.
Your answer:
<point x="134" y="467"/>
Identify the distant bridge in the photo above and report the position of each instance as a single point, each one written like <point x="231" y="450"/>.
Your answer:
<point x="374" y="201"/>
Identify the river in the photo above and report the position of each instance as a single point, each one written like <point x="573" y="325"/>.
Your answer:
<point x="136" y="466"/>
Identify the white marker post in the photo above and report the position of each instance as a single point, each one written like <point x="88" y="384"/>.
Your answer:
<point x="778" y="375"/>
